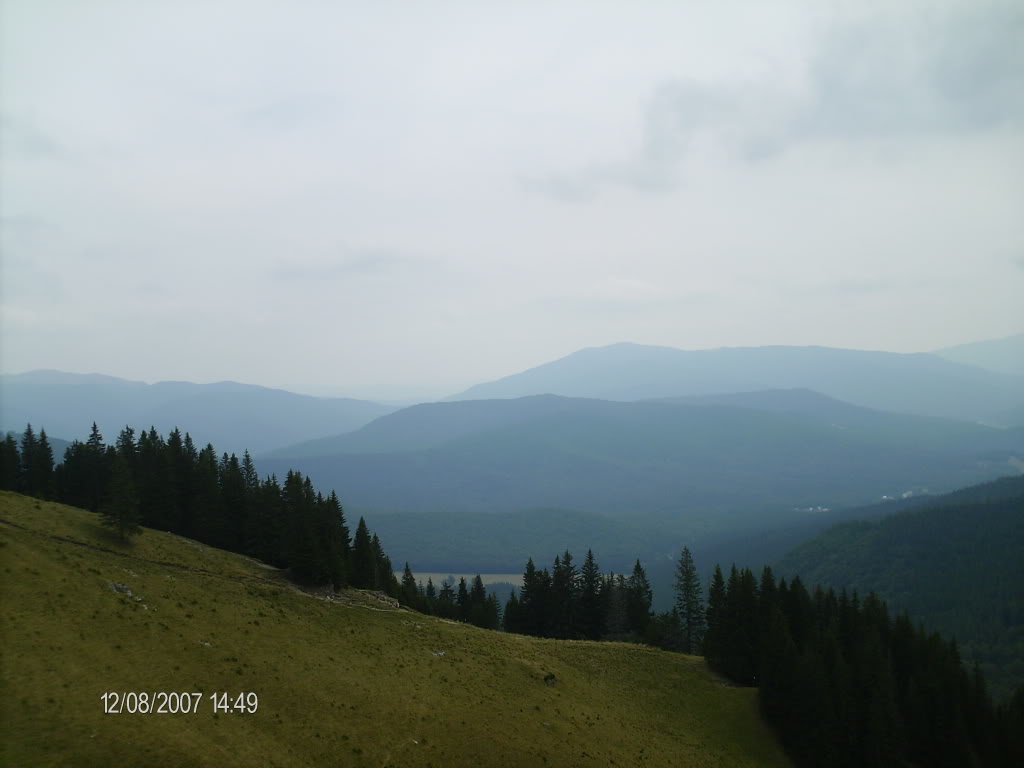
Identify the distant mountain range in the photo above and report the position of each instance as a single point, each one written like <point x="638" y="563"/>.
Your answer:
<point x="232" y="416"/>
<point x="1000" y="355"/>
<point x="632" y="478"/>
<point x="922" y="384"/>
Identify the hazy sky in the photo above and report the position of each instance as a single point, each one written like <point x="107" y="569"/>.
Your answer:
<point x="402" y="199"/>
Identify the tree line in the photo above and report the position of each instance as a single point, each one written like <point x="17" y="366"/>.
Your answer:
<point x="472" y="604"/>
<point x="170" y="485"/>
<point x="842" y="682"/>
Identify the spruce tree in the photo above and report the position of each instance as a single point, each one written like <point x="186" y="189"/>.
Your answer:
<point x="10" y="462"/>
<point x="446" y="601"/>
<point x="364" y="565"/>
<point x="617" y="624"/>
<point x="120" y="510"/>
<point x="510" y="617"/>
<point x="714" y="618"/>
<point x="27" y="479"/>
<point x="43" y="467"/>
<point x="689" y="604"/>
<point x="564" y="597"/>
<point x="591" y="615"/>
<point x="410" y="594"/>
<point x="638" y="599"/>
<point x="95" y="469"/>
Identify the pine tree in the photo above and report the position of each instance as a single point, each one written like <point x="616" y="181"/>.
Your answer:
<point x="29" y="450"/>
<point x="617" y="624"/>
<point x="479" y="610"/>
<point x="364" y="565"/>
<point x="511" y="620"/>
<point x="120" y="511"/>
<point x="638" y="599"/>
<point x="564" y="597"/>
<point x="446" y="607"/>
<point x="714" y="616"/>
<point x="410" y="594"/>
<point x="591" y="614"/>
<point x="462" y="600"/>
<point x="689" y="604"/>
<point x="387" y="581"/>
<point x="95" y="469"/>
<point x="10" y="463"/>
<point x="43" y="467"/>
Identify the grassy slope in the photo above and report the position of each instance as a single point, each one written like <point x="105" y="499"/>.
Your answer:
<point x="346" y="682"/>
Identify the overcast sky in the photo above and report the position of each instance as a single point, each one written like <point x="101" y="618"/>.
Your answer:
<point x="398" y="200"/>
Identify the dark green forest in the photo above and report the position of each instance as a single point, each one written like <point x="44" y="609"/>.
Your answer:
<point x="954" y="563"/>
<point x="170" y="485"/>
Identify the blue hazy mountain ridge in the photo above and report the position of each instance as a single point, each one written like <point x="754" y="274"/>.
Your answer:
<point x="623" y="458"/>
<point x="917" y="383"/>
<point x="1001" y="355"/>
<point x="431" y="424"/>
<point x="232" y="416"/>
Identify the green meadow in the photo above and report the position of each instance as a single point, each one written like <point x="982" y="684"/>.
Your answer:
<point x="341" y="680"/>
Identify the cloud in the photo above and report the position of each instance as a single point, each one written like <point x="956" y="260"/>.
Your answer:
<point x="962" y="71"/>
<point x="349" y="262"/>
<point x="21" y="136"/>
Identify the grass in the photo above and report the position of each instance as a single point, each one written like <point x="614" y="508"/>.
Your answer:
<point x="347" y="682"/>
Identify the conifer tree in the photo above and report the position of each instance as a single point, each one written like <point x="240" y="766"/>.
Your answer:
<point x="95" y="469"/>
<point x="591" y="615"/>
<point x="387" y="581"/>
<point x="638" y="599"/>
<point x="120" y="510"/>
<point x="689" y="604"/>
<point x="564" y="597"/>
<point x="511" y="621"/>
<point x="29" y="449"/>
<point x="10" y="462"/>
<point x="714" y="616"/>
<point x="617" y="624"/>
<point x="446" y="607"/>
<point x="410" y="594"/>
<point x="43" y="468"/>
<point x="462" y="600"/>
<point x="364" y="565"/>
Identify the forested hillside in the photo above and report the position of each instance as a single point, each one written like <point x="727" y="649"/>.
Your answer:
<point x="954" y="563"/>
<point x="620" y="458"/>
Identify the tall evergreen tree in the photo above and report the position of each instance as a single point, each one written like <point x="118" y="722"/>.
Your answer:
<point x="95" y="469"/>
<point x="10" y="463"/>
<point x="120" y="510"/>
<point x="591" y="614"/>
<point x="638" y="599"/>
<point x="410" y="594"/>
<point x="689" y="603"/>
<point x="364" y="564"/>
<point x="714" y="617"/>
<point x="43" y="467"/>
<point x="27" y="480"/>
<point x="564" y="597"/>
<point x="462" y="600"/>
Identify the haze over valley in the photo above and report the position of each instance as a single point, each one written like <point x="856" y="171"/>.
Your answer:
<point x="512" y="384"/>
